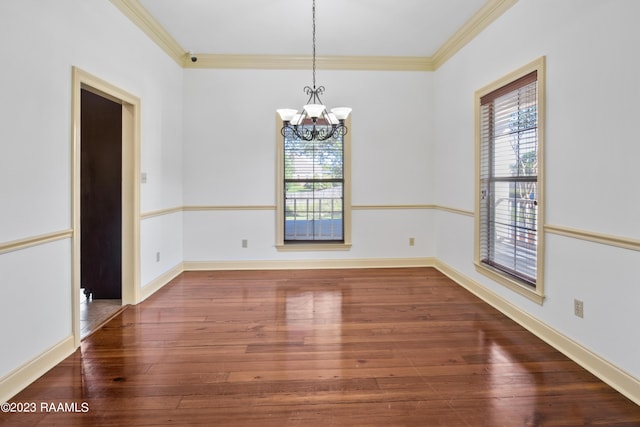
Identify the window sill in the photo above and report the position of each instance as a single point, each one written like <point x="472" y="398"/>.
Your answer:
<point x="499" y="277"/>
<point x="309" y="247"/>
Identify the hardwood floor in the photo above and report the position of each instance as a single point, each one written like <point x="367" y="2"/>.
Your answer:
<point x="318" y="348"/>
<point x="95" y="312"/>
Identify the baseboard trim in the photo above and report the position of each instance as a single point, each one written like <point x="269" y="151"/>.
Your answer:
<point x="621" y="381"/>
<point x="17" y="380"/>
<point x="156" y="284"/>
<point x="308" y="264"/>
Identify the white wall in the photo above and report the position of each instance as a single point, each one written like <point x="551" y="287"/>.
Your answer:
<point x="41" y="41"/>
<point x="230" y="159"/>
<point x="591" y="153"/>
<point x="35" y="302"/>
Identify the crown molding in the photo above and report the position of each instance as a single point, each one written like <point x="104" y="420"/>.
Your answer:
<point x="301" y="62"/>
<point x="375" y="63"/>
<point x="141" y="17"/>
<point x="488" y="13"/>
<point x="491" y="10"/>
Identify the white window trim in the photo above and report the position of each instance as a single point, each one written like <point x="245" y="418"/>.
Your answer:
<point x="537" y="294"/>
<point x="319" y="246"/>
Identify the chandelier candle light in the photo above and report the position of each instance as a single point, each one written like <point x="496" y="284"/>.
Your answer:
<point x="314" y="122"/>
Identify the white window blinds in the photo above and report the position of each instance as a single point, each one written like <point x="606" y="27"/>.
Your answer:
<point x="313" y="190"/>
<point x="509" y="179"/>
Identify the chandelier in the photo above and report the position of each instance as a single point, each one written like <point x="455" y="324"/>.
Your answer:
<point x="314" y="122"/>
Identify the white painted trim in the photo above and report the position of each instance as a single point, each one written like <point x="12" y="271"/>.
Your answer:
<point x="16" y="245"/>
<point x="229" y="208"/>
<point x="537" y="293"/>
<point x="346" y="195"/>
<point x="301" y="62"/>
<point x="161" y="212"/>
<point x="131" y="125"/>
<point x="159" y="282"/>
<point x="590" y="236"/>
<point x="620" y="380"/>
<point x="274" y="207"/>
<point x="139" y="15"/>
<point x="17" y="380"/>
<point x="196" y="208"/>
<point x="395" y="207"/>
<point x="491" y="11"/>
<point x="455" y="210"/>
<point x="311" y="247"/>
<point x="499" y="277"/>
<point x="308" y="264"/>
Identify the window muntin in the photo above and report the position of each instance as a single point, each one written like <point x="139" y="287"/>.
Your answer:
<point x="509" y="208"/>
<point x="313" y="190"/>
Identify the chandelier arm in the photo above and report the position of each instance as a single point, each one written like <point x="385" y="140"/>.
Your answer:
<point x="289" y="131"/>
<point x="307" y="134"/>
<point x="319" y="91"/>
<point x="311" y="93"/>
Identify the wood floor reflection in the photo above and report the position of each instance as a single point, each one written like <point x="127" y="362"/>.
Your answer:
<point x="319" y="348"/>
<point x="94" y="312"/>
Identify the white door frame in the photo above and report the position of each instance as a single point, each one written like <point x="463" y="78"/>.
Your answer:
<point x="130" y="189"/>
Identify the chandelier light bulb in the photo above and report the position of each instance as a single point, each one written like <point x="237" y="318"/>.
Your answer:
<point x="314" y="110"/>
<point x="287" y="114"/>
<point x="341" y="113"/>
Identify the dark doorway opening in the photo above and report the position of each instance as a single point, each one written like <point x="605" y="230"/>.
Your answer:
<point x="101" y="197"/>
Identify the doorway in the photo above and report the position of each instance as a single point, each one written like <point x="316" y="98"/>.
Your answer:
<point x="100" y="209"/>
<point x="106" y="206"/>
<point x="101" y="197"/>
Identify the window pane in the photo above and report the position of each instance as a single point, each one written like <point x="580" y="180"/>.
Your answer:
<point x="313" y="211"/>
<point x="514" y="226"/>
<point x="508" y="182"/>
<point x="313" y="159"/>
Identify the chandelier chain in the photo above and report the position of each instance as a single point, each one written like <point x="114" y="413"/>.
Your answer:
<point x="313" y="10"/>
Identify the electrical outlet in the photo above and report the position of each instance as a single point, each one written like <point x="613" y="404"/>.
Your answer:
<point x="245" y="243"/>
<point x="143" y="178"/>
<point x="157" y="256"/>
<point x="578" y="308"/>
<point x="412" y="241"/>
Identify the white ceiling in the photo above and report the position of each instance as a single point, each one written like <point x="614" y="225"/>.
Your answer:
<point x="283" y="27"/>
